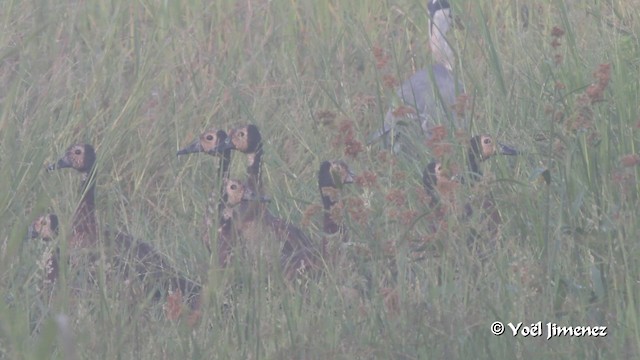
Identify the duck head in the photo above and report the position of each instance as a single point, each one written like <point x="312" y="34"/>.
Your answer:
<point x="44" y="227"/>
<point x="433" y="175"/>
<point x="246" y="139"/>
<point x="236" y="192"/>
<point x="209" y="142"/>
<point x="335" y="174"/>
<point x="80" y="157"/>
<point x="483" y="147"/>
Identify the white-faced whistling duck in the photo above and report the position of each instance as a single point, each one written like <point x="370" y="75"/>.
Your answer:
<point x="430" y="92"/>
<point x="437" y="182"/>
<point x="247" y="140"/>
<point x="82" y="158"/>
<point x="45" y="227"/>
<point x="432" y="176"/>
<point x="150" y="266"/>
<point x="297" y="254"/>
<point x="332" y="176"/>
<point x="481" y="148"/>
<point x="210" y="142"/>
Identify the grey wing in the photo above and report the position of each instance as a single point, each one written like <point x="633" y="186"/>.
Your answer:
<point x="428" y="101"/>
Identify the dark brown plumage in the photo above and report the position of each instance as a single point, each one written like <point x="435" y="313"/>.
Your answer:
<point x="332" y="176"/>
<point x="129" y="254"/>
<point x="82" y="158"/>
<point x="247" y="140"/>
<point x="297" y="255"/>
<point x="483" y="147"/>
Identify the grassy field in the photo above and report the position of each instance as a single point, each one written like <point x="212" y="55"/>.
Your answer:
<point x="139" y="80"/>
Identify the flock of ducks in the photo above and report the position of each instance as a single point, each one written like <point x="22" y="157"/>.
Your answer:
<point x="237" y="209"/>
<point x="241" y="210"/>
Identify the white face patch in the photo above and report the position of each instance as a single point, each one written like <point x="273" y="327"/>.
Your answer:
<point x="251" y="158"/>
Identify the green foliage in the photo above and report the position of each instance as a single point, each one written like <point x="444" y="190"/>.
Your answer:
<point x="141" y="79"/>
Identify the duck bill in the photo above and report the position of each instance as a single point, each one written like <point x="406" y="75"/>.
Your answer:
<point x="350" y="178"/>
<point x="507" y="150"/>
<point x="225" y="146"/>
<point x="31" y="233"/>
<point x="251" y="196"/>
<point x="248" y="195"/>
<point x="60" y="164"/>
<point x="194" y="147"/>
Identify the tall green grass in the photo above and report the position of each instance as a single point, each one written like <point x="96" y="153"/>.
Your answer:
<point x="139" y="80"/>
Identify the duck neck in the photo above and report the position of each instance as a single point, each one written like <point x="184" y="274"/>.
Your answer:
<point x="329" y="195"/>
<point x="223" y="170"/>
<point x="219" y="198"/>
<point x="474" y="168"/>
<point x="253" y="170"/>
<point x="433" y="194"/>
<point x="223" y="175"/>
<point x="329" y="225"/>
<point x="85" y="228"/>
<point x="225" y="236"/>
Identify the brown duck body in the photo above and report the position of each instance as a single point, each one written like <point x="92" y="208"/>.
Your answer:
<point x="249" y="217"/>
<point x="482" y="148"/>
<point x="332" y="176"/>
<point x="437" y="183"/>
<point x="129" y="255"/>
<point x="141" y="259"/>
<point x="252" y="221"/>
<point x="258" y="228"/>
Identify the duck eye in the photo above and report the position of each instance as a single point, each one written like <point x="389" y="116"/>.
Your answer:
<point x="233" y="187"/>
<point x="241" y="133"/>
<point x="209" y="137"/>
<point x="78" y="151"/>
<point x="487" y="141"/>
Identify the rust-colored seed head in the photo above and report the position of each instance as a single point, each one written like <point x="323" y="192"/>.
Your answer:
<point x="368" y="179"/>
<point x="557" y="32"/>
<point x="630" y="160"/>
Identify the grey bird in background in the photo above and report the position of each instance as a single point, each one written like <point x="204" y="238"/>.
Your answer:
<point x="430" y="92"/>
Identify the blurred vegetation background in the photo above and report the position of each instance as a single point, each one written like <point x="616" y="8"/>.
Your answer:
<point x="139" y="80"/>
